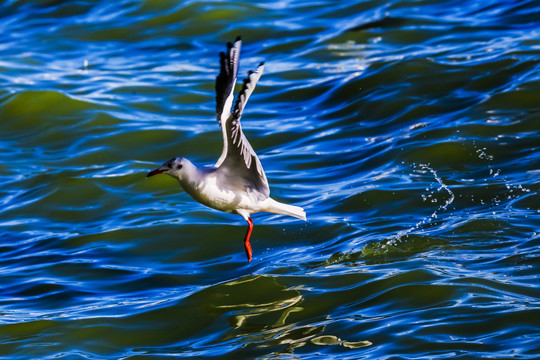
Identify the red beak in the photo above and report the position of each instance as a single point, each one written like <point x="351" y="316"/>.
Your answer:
<point x="154" y="172"/>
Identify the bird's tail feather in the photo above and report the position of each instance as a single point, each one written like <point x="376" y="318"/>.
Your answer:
<point x="284" y="209"/>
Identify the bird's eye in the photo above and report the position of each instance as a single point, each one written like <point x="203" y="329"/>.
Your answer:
<point x="178" y="167"/>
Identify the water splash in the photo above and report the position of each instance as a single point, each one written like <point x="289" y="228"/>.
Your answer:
<point x="440" y="186"/>
<point x="513" y="191"/>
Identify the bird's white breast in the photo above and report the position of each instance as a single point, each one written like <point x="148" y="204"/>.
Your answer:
<point x="217" y="195"/>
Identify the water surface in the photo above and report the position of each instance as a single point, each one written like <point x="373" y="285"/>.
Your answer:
<point x="409" y="131"/>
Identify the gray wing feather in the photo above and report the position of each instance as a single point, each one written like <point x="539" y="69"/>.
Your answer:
<point x="238" y="137"/>
<point x="238" y="155"/>
<point x="226" y="79"/>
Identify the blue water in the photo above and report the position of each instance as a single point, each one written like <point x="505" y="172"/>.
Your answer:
<point x="408" y="130"/>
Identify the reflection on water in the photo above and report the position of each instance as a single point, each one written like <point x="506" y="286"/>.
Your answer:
<point x="407" y="130"/>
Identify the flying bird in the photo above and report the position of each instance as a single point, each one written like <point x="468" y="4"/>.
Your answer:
<point x="236" y="183"/>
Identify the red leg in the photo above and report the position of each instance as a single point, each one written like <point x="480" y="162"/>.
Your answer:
<point x="247" y="245"/>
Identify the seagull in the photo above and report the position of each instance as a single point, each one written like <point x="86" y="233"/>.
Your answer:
<point x="236" y="183"/>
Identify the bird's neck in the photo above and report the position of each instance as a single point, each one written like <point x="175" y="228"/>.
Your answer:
<point x="192" y="181"/>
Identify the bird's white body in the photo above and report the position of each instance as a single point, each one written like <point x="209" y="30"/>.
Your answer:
<point x="207" y="186"/>
<point x="237" y="183"/>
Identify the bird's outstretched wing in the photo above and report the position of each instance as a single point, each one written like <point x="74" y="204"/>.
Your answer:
<point x="227" y="79"/>
<point x="238" y="158"/>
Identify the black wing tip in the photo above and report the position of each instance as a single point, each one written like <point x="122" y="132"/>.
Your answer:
<point x="250" y="72"/>
<point x="230" y="45"/>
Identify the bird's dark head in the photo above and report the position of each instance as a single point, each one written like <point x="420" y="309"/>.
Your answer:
<point x="175" y="167"/>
